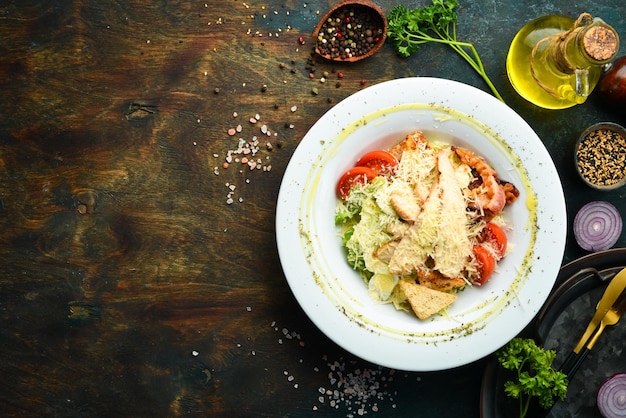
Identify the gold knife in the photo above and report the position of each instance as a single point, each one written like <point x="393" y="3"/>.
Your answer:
<point x="608" y="311"/>
<point x="612" y="292"/>
<point x="612" y="317"/>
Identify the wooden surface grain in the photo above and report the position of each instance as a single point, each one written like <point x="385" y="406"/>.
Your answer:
<point x="140" y="274"/>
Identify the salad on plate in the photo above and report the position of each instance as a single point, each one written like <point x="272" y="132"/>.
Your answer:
<point x="423" y="220"/>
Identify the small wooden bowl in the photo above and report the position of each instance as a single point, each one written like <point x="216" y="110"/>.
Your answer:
<point x="362" y="8"/>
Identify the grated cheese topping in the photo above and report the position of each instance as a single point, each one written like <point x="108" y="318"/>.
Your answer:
<point x="421" y="217"/>
<point x="453" y="246"/>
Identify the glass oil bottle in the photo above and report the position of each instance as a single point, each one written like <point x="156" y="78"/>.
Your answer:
<point x="556" y="61"/>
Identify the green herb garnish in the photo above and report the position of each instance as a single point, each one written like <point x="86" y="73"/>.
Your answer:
<point x="409" y="28"/>
<point x="536" y="378"/>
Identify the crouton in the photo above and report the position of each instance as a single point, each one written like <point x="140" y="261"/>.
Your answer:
<point x="425" y="302"/>
<point x="437" y="281"/>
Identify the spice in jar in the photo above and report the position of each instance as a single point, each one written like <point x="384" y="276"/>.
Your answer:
<point x="350" y="31"/>
<point x="601" y="157"/>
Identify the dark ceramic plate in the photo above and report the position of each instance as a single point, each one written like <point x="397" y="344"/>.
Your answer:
<point x="558" y="326"/>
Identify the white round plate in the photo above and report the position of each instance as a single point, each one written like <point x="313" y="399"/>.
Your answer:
<point x="335" y="297"/>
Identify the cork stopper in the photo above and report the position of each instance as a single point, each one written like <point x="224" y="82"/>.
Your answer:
<point x="600" y="42"/>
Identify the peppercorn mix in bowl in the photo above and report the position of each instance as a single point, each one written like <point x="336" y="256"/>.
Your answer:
<point x="600" y="156"/>
<point x="350" y="31"/>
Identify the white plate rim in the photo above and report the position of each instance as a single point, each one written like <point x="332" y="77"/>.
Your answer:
<point x="340" y="315"/>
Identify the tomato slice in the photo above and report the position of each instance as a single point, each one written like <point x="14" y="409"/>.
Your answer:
<point x="485" y="264"/>
<point x="354" y="176"/>
<point x="380" y="161"/>
<point x="493" y="234"/>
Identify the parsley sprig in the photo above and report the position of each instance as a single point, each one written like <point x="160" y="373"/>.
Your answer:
<point x="536" y="378"/>
<point x="410" y="28"/>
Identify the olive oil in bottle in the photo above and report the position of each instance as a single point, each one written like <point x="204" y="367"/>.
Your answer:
<point x="556" y="61"/>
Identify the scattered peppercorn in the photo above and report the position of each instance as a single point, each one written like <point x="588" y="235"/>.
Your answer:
<point x="601" y="157"/>
<point x="350" y="31"/>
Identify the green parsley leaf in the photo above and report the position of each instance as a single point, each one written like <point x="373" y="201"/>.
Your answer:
<point x="409" y="28"/>
<point x="536" y="378"/>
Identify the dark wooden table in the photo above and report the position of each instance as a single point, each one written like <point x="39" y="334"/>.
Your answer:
<point x="140" y="276"/>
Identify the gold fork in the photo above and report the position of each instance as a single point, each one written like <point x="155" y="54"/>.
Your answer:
<point x="611" y="294"/>
<point x="612" y="317"/>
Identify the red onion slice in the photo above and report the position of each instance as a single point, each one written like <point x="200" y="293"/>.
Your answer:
<point x="611" y="397"/>
<point x="597" y="226"/>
